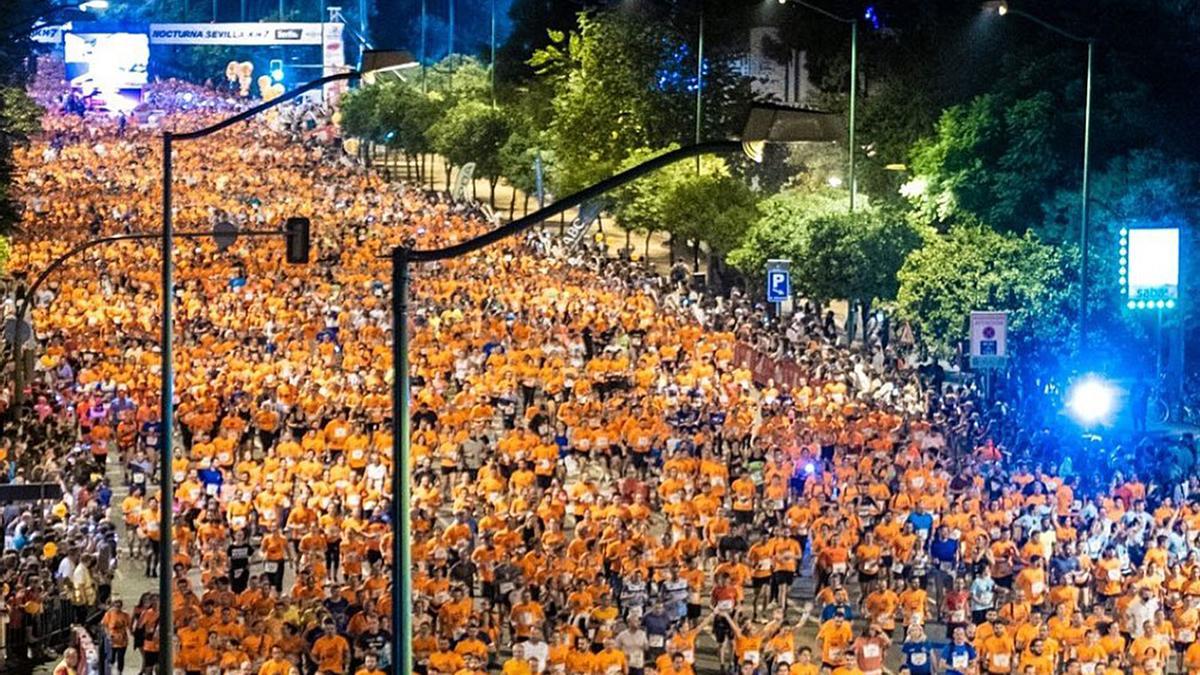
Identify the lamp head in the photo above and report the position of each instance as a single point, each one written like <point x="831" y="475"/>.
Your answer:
<point x="998" y="6"/>
<point x="774" y="123"/>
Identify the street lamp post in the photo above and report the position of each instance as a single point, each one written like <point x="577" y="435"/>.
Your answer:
<point x="167" y="420"/>
<point x="765" y="124"/>
<point x="424" y="9"/>
<point x="450" y="29"/>
<point x="853" y="84"/>
<point x="699" y="82"/>
<point x="493" y="55"/>
<point x="1002" y="8"/>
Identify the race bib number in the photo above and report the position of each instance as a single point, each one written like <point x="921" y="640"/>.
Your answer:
<point x="1001" y="661"/>
<point x="1037" y="588"/>
<point x="726" y="605"/>
<point x="636" y="659"/>
<point x="871" y="651"/>
<point x="960" y="661"/>
<point x="1087" y="668"/>
<point x="1114" y="575"/>
<point x="1187" y="635"/>
<point x="211" y="489"/>
<point x="785" y="657"/>
<point x="139" y="478"/>
<point x="764" y="565"/>
<point x="958" y="616"/>
<point x="839" y="568"/>
<point x="656" y="641"/>
<point x="752" y="656"/>
<point x="271" y="567"/>
<point x="919" y="658"/>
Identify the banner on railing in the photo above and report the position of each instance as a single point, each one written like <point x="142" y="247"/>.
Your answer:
<point x="764" y="368"/>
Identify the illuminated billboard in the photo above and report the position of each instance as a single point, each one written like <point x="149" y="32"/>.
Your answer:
<point x="107" y="64"/>
<point x="1150" y="267"/>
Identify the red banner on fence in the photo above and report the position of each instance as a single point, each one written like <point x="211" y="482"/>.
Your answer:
<point x="764" y="368"/>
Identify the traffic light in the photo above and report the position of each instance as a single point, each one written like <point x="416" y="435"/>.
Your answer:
<point x="296" y="233"/>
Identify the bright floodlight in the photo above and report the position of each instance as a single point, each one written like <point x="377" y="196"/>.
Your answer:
<point x="1091" y="400"/>
<point x="998" y="6"/>
<point x="100" y="5"/>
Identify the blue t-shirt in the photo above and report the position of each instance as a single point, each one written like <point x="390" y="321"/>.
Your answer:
<point x="958" y="658"/>
<point x="921" y="521"/>
<point x="944" y="550"/>
<point x="917" y="657"/>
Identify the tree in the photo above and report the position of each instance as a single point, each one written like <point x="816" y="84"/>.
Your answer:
<point x="458" y="78"/>
<point x="16" y="113"/>
<point x="623" y="81"/>
<point x="711" y="207"/>
<point x="404" y="114"/>
<point x="639" y="206"/>
<point x="519" y="155"/>
<point x="780" y="230"/>
<point x="359" y="113"/>
<point x="975" y="268"/>
<point x="989" y="160"/>
<point x="835" y="254"/>
<point x="472" y="132"/>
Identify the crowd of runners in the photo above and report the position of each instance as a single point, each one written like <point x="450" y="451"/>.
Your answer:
<point x="600" y="487"/>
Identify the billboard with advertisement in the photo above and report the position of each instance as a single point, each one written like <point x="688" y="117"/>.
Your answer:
<point x="239" y="34"/>
<point x="1150" y="267"/>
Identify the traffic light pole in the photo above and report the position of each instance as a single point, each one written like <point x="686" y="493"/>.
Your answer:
<point x="31" y="292"/>
<point x="167" y="420"/>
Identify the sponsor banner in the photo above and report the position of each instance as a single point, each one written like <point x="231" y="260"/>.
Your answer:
<point x="333" y="58"/>
<point x="240" y="34"/>
<point x="50" y="35"/>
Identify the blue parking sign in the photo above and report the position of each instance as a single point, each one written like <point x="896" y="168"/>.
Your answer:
<point x="779" y="285"/>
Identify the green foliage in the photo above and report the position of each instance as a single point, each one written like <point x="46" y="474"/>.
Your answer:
<point x="458" y="78"/>
<point x="403" y="115"/>
<point x="780" y="230"/>
<point x="359" y="108"/>
<point x="620" y="82"/>
<point x="639" y="205"/>
<point x="18" y="115"/>
<point x="471" y="132"/>
<point x="520" y="152"/>
<point x="711" y="207"/>
<point x="976" y="268"/>
<point x="988" y="160"/>
<point x="835" y="254"/>
<point x="22" y="116"/>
